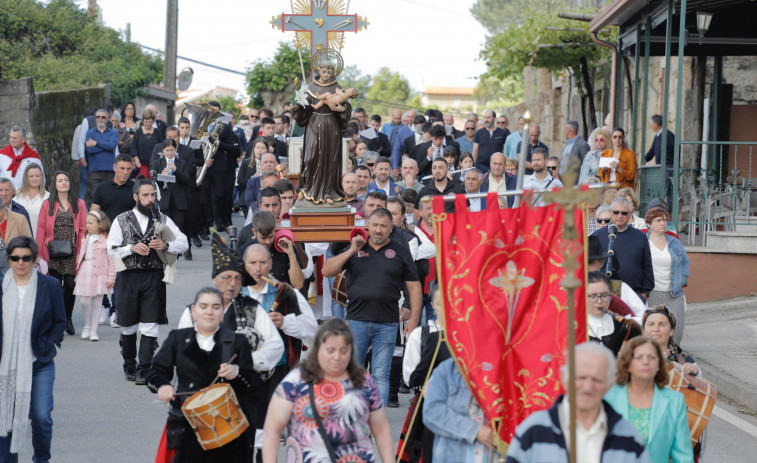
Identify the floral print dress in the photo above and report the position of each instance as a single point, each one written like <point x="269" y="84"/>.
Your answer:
<point x="344" y="410"/>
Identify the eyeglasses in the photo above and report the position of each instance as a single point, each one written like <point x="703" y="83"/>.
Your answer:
<point x="470" y="128"/>
<point x="370" y="164"/>
<point x="501" y="123"/>
<point x="230" y="277"/>
<point x="552" y="167"/>
<point x="599" y="139"/>
<point x="623" y="213"/>
<point x="603" y="220"/>
<point x="101" y="117"/>
<point x="596" y="297"/>
<point x="26" y="258"/>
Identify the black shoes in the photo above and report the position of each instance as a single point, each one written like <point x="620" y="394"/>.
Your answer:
<point x="139" y="378"/>
<point x="404" y="389"/>
<point x="196" y="241"/>
<point x="130" y="374"/>
<point x="188" y="255"/>
<point x="393" y="401"/>
<point x="70" y="327"/>
<point x="205" y="236"/>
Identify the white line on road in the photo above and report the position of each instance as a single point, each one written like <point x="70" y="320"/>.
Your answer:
<point x="735" y="420"/>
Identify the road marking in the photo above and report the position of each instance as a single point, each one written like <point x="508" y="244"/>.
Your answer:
<point x="735" y="420"/>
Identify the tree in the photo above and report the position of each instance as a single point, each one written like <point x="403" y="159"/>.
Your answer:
<point x="270" y="83"/>
<point x="528" y="44"/>
<point x="60" y="47"/>
<point x="388" y="90"/>
<point x="497" y="15"/>
<point x="352" y="77"/>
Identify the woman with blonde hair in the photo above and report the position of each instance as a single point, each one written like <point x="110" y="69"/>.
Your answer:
<point x="598" y="141"/>
<point x="32" y="193"/>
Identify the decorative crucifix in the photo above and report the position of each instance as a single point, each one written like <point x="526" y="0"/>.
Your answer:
<point x="319" y="24"/>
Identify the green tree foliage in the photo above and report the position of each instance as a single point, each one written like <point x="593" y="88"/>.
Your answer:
<point x="497" y="15"/>
<point x="230" y="104"/>
<point x="60" y="47"/>
<point x="352" y="77"/>
<point x="388" y="91"/>
<point x="269" y="80"/>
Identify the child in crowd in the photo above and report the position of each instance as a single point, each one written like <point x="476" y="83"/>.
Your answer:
<point x="96" y="273"/>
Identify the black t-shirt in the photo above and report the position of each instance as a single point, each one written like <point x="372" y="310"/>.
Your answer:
<point x="488" y="144"/>
<point x="375" y="279"/>
<point x="114" y="199"/>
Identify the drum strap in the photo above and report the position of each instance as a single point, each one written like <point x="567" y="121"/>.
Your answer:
<point x="321" y="429"/>
<point x="227" y="339"/>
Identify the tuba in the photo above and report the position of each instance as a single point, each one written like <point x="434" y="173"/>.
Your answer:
<point x="201" y="118"/>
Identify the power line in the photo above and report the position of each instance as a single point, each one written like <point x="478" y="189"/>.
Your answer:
<point x="233" y="71"/>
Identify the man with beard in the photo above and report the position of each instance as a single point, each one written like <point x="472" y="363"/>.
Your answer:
<point x="487" y="141"/>
<point x="441" y="184"/>
<point x="350" y="186"/>
<point x="141" y="292"/>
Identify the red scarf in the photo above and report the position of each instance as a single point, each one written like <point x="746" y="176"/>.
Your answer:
<point x="26" y="153"/>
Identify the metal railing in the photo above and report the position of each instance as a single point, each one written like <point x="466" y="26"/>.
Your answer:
<point x="718" y="195"/>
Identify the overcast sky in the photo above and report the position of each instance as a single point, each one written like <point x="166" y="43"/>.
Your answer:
<point x="430" y="42"/>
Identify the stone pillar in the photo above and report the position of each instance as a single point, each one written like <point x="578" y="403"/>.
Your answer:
<point x="16" y="108"/>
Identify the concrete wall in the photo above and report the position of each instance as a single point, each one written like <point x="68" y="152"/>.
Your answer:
<point x="716" y="276"/>
<point x="50" y="119"/>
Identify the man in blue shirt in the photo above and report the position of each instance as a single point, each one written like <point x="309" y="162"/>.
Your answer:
<point x="466" y="140"/>
<point x="390" y="129"/>
<point x="101" y="143"/>
<point x="488" y="141"/>
<point x="405" y="131"/>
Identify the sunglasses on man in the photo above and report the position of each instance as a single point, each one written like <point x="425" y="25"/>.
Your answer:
<point x="27" y="258"/>
<point x="623" y="213"/>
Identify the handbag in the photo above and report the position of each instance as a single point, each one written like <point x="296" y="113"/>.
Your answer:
<point x="59" y="249"/>
<point x="321" y="429"/>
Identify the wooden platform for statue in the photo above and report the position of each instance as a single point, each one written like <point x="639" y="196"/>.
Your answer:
<point x="321" y="227"/>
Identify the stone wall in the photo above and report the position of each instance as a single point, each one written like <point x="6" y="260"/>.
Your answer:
<point x="50" y="119"/>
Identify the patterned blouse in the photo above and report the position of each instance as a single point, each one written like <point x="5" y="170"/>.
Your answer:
<point x="64" y="230"/>
<point x="344" y="411"/>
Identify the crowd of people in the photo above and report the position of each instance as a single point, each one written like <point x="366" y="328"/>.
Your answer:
<point x="114" y="244"/>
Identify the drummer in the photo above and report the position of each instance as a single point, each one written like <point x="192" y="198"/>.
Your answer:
<point x="199" y="354"/>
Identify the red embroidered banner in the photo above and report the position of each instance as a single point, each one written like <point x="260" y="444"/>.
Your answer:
<point x="505" y="313"/>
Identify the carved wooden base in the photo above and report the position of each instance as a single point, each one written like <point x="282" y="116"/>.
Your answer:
<point x="321" y="227"/>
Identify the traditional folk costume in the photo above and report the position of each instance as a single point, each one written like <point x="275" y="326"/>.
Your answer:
<point x="612" y="331"/>
<point x="196" y="366"/>
<point x="13" y="164"/>
<point x="140" y="290"/>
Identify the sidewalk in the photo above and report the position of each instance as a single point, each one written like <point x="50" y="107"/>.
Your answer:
<point x="722" y="337"/>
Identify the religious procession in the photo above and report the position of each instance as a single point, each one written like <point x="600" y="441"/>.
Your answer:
<point x="327" y="271"/>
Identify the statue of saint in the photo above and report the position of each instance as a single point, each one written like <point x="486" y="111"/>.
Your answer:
<point x="324" y="117"/>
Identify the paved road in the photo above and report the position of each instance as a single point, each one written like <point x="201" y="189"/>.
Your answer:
<point x="101" y="417"/>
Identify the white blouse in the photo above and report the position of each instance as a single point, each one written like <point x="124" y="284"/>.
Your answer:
<point x="32" y="206"/>
<point x="662" y="264"/>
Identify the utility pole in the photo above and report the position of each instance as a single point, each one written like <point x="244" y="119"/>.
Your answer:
<point x="91" y="7"/>
<point x="169" y="72"/>
<point x="128" y="32"/>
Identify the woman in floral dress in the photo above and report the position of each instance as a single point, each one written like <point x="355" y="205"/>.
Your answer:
<point x="346" y="399"/>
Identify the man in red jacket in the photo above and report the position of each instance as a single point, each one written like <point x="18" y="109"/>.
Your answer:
<point x="16" y="156"/>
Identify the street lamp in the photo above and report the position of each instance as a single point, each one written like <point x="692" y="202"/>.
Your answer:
<point x="703" y="23"/>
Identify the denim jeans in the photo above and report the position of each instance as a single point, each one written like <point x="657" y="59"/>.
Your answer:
<point x="337" y="311"/>
<point x="43" y="377"/>
<point x="83" y="178"/>
<point x="381" y="337"/>
<point x="430" y="315"/>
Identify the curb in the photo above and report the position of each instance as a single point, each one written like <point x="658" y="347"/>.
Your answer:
<point x="728" y="386"/>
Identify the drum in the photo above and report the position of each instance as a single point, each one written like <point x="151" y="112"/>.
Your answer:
<point x="339" y="289"/>
<point x="700" y="396"/>
<point x="215" y="416"/>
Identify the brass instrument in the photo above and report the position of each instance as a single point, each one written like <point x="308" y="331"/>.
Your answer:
<point x="201" y="117"/>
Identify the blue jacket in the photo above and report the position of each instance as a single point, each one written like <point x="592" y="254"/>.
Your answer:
<point x="48" y="321"/>
<point x="252" y="192"/>
<point x="403" y="132"/>
<point x="679" y="266"/>
<point x="655" y="151"/>
<point x="446" y="414"/>
<point x="392" y="187"/>
<point x="669" y="428"/>
<point x="102" y="156"/>
<point x="540" y="438"/>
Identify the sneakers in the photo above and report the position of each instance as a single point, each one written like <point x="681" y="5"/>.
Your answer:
<point x="404" y="389"/>
<point x="85" y="332"/>
<point x="393" y="401"/>
<point x="94" y="337"/>
<point x="113" y="323"/>
<point x="104" y="315"/>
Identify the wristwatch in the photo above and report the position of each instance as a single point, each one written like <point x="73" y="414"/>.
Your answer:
<point x="166" y="244"/>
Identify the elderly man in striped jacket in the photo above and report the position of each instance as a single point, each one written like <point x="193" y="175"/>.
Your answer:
<point x="601" y="434"/>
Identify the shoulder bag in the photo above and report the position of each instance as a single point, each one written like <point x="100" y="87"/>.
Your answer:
<point x="321" y="429"/>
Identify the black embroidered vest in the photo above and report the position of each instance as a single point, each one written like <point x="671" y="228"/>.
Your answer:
<point x="133" y="235"/>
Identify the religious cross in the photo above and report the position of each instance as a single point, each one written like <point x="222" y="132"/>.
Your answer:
<point x="319" y="24"/>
